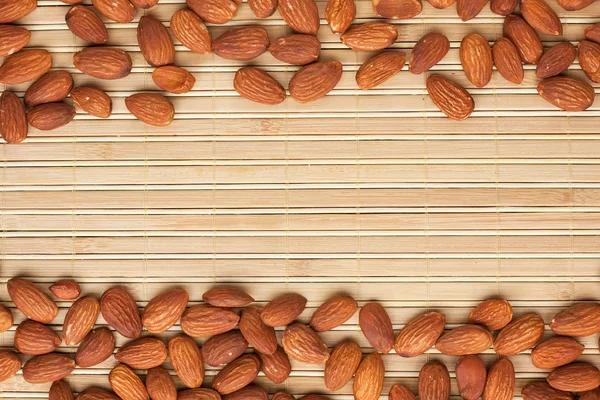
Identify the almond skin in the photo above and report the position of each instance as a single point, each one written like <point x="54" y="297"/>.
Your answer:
<point x="13" y="120"/>
<point x="12" y="39"/>
<point x="419" y="334"/>
<point x="590" y="394"/>
<point x="187" y="360"/>
<point x="263" y="8"/>
<point x="60" y="390"/>
<point x="301" y="15"/>
<point x="541" y="17"/>
<point x="117" y="10"/>
<point x="13" y="10"/>
<point x="203" y="320"/>
<point x="580" y="319"/>
<point x="92" y="100"/>
<point x="198" y="394"/>
<point x="227" y="297"/>
<point x="567" y="93"/>
<point x="296" y="49"/>
<point x="95" y="348"/>
<point x="237" y="374"/>
<point x="144" y="4"/>
<point x="258" y="335"/>
<point x="314" y="81"/>
<point x="103" y="62"/>
<point x="224" y="348"/>
<point x="259" y="87"/>
<point x="576" y="377"/>
<point x="476" y="59"/>
<point x="143" y="353"/>
<point x="250" y="392"/>
<point x="543" y="391"/>
<point x="466" y="339"/>
<point x="95" y="393"/>
<point x="397" y="9"/>
<point x="593" y="33"/>
<point x="173" y="79"/>
<point x="47" y="117"/>
<point x="368" y="381"/>
<point x="33" y="338"/>
<point x="283" y="310"/>
<point x="10" y="364"/>
<point x="333" y="313"/>
<point x="589" y="59"/>
<point x="242" y="43"/>
<point x="371" y="36"/>
<point x="155" y="42"/>
<point x="163" y="311"/>
<point x="160" y="385"/>
<point x="66" y="289"/>
<point x="48" y="368"/>
<point x="524" y="38"/>
<point x="441" y="4"/>
<point x="494" y="314"/>
<point x="189" y="29"/>
<point x="521" y="334"/>
<point x="376" y="325"/>
<point x="503" y="7"/>
<point x="31" y="300"/>
<point x="52" y="87"/>
<point x="151" y="108"/>
<point x="574" y="5"/>
<point x="342" y="364"/>
<point x="25" y="66"/>
<point x="555" y="352"/>
<point x="508" y="61"/>
<point x="85" y="24"/>
<point x="302" y="344"/>
<point x="469" y="9"/>
<point x="80" y="320"/>
<point x="451" y="98"/>
<point x="400" y="392"/>
<point x="282" y="396"/>
<point x="380" y="68"/>
<point x="120" y="311"/>
<point x="470" y="377"/>
<point x="340" y="14"/>
<point x="428" y="51"/>
<point x="500" y="383"/>
<point x="214" y="11"/>
<point x="434" y="381"/>
<point x="276" y="366"/>
<point x="126" y="384"/>
<point x="6" y="317"/>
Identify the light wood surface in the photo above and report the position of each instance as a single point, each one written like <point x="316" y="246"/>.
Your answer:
<point x="375" y="193"/>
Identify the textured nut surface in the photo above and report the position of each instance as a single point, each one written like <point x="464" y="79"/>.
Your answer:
<point x="33" y="338"/>
<point x="590" y="394"/>
<point x="50" y="116"/>
<point x="304" y="345"/>
<point x="224" y="348"/>
<point x="276" y="366"/>
<point x="451" y="98"/>
<point x="214" y="11"/>
<point x="198" y="394"/>
<point x="297" y="49"/>
<point x="471" y="376"/>
<point x="283" y="309"/>
<point x="143" y="353"/>
<point x="126" y="384"/>
<point x="227" y="296"/>
<point x="263" y="8"/>
<point x="376" y="325"/>
<point x="66" y="289"/>
<point x="500" y="383"/>
<point x="569" y="94"/>
<point x="120" y="311"/>
<point x="368" y="381"/>
<point x="342" y="364"/>
<point x="95" y="348"/>
<point x="203" y="320"/>
<point x="503" y="7"/>
<point x="13" y="10"/>
<point x="190" y="30"/>
<point x="370" y="36"/>
<point x="92" y="100"/>
<point x="476" y="59"/>
<point x="60" y="390"/>
<point x="434" y="381"/>
<point x="85" y="24"/>
<point x="301" y="15"/>
<point x="12" y="39"/>
<point x="31" y="300"/>
<point x="103" y="62"/>
<point x="494" y="314"/>
<point x="508" y="61"/>
<point x="259" y="87"/>
<point x="400" y="392"/>
<point x="593" y="33"/>
<point x="258" y="335"/>
<point x="163" y="310"/>
<point x="576" y="377"/>
<point x="582" y="319"/>
<point x="521" y="334"/>
<point x="241" y="43"/>
<point x="428" y="51"/>
<point x="543" y="391"/>
<point x="541" y="17"/>
<point x="173" y="79"/>
<point x="95" y="393"/>
<point x="555" y="352"/>
<point x="25" y="66"/>
<point x="250" y="392"/>
<point x="340" y="14"/>
<point x="589" y="59"/>
<point x="380" y="68"/>
<point x="556" y="60"/>
<point x="469" y="9"/>
<point x="237" y="374"/>
<point x="155" y="42"/>
<point x="48" y="368"/>
<point x="6" y="317"/>
<point x="187" y="360"/>
<point x="314" y="81"/>
<point x="10" y="364"/>
<point x="333" y="312"/>
<point x="117" y="10"/>
<point x="14" y="129"/>
<point x="419" y="334"/>
<point x="160" y="385"/>
<point x="397" y="9"/>
<point x="80" y="319"/>
<point x="524" y="38"/>
<point x="466" y="339"/>
<point x="151" y="108"/>
<point x="441" y="4"/>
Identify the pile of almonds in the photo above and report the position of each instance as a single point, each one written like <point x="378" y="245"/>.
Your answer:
<point x="225" y="308"/>
<point x="313" y="81"/>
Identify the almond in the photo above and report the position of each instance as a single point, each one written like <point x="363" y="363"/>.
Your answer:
<point x="224" y="348"/>
<point x="143" y="353"/>
<point x="494" y="314"/>
<point x="258" y="335"/>
<point x="126" y="384"/>
<point x="555" y="352"/>
<point x="581" y="319"/>
<point x="15" y="9"/>
<point x="333" y="313"/>
<point x="92" y="100"/>
<point x="282" y="396"/>
<point x="470" y="377"/>
<point x="163" y="311"/>
<point x="227" y="297"/>
<point x="301" y="15"/>
<point x="521" y="334"/>
<point x="314" y="81"/>
<point x="258" y="86"/>
<point x="420" y="334"/>
<point x="428" y="51"/>
<point x="160" y="385"/>
<point x="120" y="311"/>
<point x="500" y="382"/>
<point x="155" y="42"/>
<point x="151" y="108"/>
<point x="508" y="61"/>
<point x="48" y="368"/>
<point x="85" y="24"/>
<point x="302" y="344"/>
<point x="342" y="364"/>
<point x="13" y="124"/>
<point x="466" y="339"/>
<point x="189" y="29"/>
<point x="250" y="392"/>
<point x="10" y="364"/>
<point x="451" y="98"/>
<point x="237" y="374"/>
<point x="283" y="310"/>
<point x="434" y="382"/>
<point x="203" y="320"/>
<point x="368" y="382"/>
<point x="397" y="9"/>
<point x="33" y="338"/>
<point x="380" y="68"/>
<point x="72" y="1"/>
<point x="80" y="319"/>
<point x="263" y="8"/>
<point x="441" y="4"/>
<point x="117" y="10"/>
<point x="198" y="394"/>
<point x="590" y="394"/>
<point x="376" y="325"/>
<point x="543" y="391"/>
<point x="541" y="17"/>
<point x="503" y="7"/>
<point x="66" y="289"/>
<point x="52" y="87"/>
<point x="31" y="300"/>
<point x="371" y="36"/>
<point x="314" y="397"/>
<point x="103" y="62"/>
<point x="469" y="9"/>
<point x="95" y="348"/>
<point x="47" y="117"/>
<point x="276" y="366"/>
<point x="476" y="59"/>
<point x="297" y="49"/>
<point x="340" y="14"/>
<point x="173" y="79"/>
<point x="568" y="94"/>
<point x="187" y="360"/>
<point x="144" y="4"/>
<point x="574" y="5"/>
<point x="6" y="317"/>
<point x="242" y="43"/>
<point x="593" y="33"/>
<point x="214" y="11"/>
<point x="589" y="59"/>
<point x="400" y="392"/>
<point x="25" y="66"/>
<point x="524" y="38"/>
<point x="95" y="393"/>
<point x="12" y="39"/>
<point x="576" y="377"/>
<point x="60" y="390"/>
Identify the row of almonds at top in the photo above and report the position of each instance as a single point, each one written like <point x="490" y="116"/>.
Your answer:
<point x="226" y="347"/>
<point x="313" y="81"/>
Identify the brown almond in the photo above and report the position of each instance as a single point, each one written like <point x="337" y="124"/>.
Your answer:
<point x="428" y="51"/>
<point x="12" y="39"/>
<point x="566" y="93"/>
<point x="434" y="382"/>
<point x="85" y="24"/>
<point x="451" y="98"/>
<point x="283" y="310"/>
<point x="500" y="382"/>
<point x="524" y="38"/>
<point x="419" y="334"/>
<point x="342" y="364"/>
<point x="116" y="10"/>
<point x="80" y="319"/>
<point x="541" y="17"/>
<point x="143" y="353"/>
<point x="593" y="33"/>
<point x="376" y="325"/>
<point x="258" y="335"/>
<point x="33" y="338"/>
<point x="214" y="11"/>
<point x="581" y="319"/>
<point x="155" y="42"/>
<point x="189" y="29"/>
<point x="237" y="374"/>
<point x="476" y="59"/>
<point x="258" y="86"/>
<point x="103" y="62"/>
<point x="301" y="15"/>
<point x="198" y="394"/>
<point x="543" y="391"/>
<point x="203" y="320"/>
<point x="400" y="392"/>
<point x="6" y="317"/>
<point x="466" y="339"/>
<point x="173" y="79"/>
<point x="469" y="9"/>
<point x="503" y="7"/>
<point x="13" y="122"/>
<point x="250" y="392"/>
<point x="576" y="377"/>
<point x="340" y="14"/>
<point x="126" y="384"/>
<point x="227" y="297"/>
<point x="25" y="66"/>
<point x="31" y="300"/>
<point x="163" y="310"/>
<point x="13" y="10"/>
<point x="60" y="390"/>
<point x="224" y="348"/>
<point x="95" y="348"/>
<point x="263" y="8"/>
<point x="494" y="314"/>
<point x="370" y="36"/>
<point x="314" y="81"/>
<point x="187" y="360"/>
<point x="144" y="4"/>
<point x="521" y="334"/>
<point x="589" y="59"/>
<point x="95" y="393"/>
<point x="471" y="375"/>
<point x="66" y="289"/>
<point x="441" y="4"/>
<point x="52" y="87"/>
<point x="160" y="385"/>
<point x="92" y="100"/>
<point x="47" y="117"/>
<point x="151" y="108"/>
<point x="555" y="352"/>
<point x="590" y="394"/>
<point x="276" y="366"/>
<point x="302" y="344"/>
<point x="397" y="9"/>
<point x="296" y="49"/>
<point x="368" y="381"/>
<point x="10" y="364"/>
<point x="574" y="5"/>
<point x="380" y="68"/>
<point x="242" y="43"/>
<point x="508" y="61"/>
<point x="47" y="368"/>
<point x="282" y="396"/>
<point x="333" y="313"/>
<point x="120" y="311"/>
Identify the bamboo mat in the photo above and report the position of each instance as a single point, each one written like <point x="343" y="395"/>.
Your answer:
<point x="374" y="193"/>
